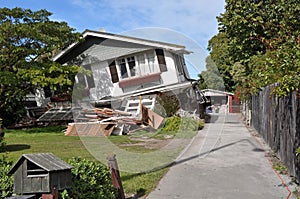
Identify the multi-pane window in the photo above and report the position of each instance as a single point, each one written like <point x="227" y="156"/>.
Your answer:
<point x="127" y="67"/>
<point x="138" y="65"/>
<point x="146" y="63"/>
<point x="123" y="68"/>
<point x="131" y="65"/>
<point x="150" y="57"/>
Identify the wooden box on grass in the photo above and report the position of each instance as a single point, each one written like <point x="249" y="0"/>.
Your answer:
<point x="40" y="173"/>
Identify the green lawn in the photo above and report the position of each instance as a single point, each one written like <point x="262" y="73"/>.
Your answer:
<point x="52" y="139"/>
<point x="144" y="165"/>
<point x="42" y="140"/>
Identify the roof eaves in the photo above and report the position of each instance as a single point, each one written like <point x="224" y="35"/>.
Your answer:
<point x="169" y="46"/>
<point x="61" y="53"/>
<point x="217" y="91"/>
<point x="172" y="47"/>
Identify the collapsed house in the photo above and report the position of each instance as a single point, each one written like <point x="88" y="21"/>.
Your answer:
<point x="117" y="71"/>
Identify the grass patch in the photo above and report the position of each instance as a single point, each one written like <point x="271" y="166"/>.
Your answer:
<point x="130" y="145"/>
<point x="179" y="127"/>
<point x="278" y="165"/>
<point x="43" y="140"/>
<point x="141" y="184"/>
<point x="281" y="168"/>
<point x="52" y="139"/>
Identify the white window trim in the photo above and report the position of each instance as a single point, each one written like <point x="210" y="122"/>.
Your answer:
<point x="138" y="70"/>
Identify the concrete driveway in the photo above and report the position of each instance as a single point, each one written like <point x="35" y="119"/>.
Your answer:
<point x="224" y="161"/>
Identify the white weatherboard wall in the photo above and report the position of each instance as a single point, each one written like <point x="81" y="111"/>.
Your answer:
<point x="103" y="83"/>
<point x="168" y="77"/>
<point x="105" y="87"/>
<point x="171" y="76"/>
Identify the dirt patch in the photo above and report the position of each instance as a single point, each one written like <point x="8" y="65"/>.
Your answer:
<point x="148" y="143"/>
<point x="155" y="144"/>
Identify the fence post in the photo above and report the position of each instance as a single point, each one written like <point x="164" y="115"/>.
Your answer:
<point x="115" y="176"/>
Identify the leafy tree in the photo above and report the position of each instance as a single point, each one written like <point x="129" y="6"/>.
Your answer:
<point x="218" y="47"/>
<point x="211" y="78"/>
<point x="28" y="40"/>
<point x="262" y="45"/>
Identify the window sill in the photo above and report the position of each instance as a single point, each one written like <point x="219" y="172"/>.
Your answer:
<point x="139" y="80"/>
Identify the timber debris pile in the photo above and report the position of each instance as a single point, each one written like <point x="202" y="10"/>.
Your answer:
<point x="107" y="121"/>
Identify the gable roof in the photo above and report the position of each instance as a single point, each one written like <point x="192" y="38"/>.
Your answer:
<point x="131" y="41"/>
<point x="46" y="161"/>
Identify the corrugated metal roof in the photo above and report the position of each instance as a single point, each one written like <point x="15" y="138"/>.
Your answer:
<point x="46" y="161"/>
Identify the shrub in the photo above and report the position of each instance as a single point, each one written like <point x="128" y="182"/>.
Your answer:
<point x="169" y="103"/>
<point x="89" y="180"/>
<point x="183" y="126"/>
<point x="297" y="151"/>
<point x="6" y="181"/>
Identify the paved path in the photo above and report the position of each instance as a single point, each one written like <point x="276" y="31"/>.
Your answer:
<point x="224" y="161"/>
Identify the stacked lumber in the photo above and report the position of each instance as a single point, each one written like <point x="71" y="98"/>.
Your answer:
<point x="97" y="114"/>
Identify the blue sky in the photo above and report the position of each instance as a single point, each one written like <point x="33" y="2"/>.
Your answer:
<point x="195" y="20"/>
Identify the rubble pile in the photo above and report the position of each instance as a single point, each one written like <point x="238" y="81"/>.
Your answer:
<point x="106" y="121"/>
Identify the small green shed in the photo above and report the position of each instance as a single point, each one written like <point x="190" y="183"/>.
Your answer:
<point x="40" y="173"/>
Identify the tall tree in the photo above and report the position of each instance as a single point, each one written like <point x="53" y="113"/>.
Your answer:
<point x="28" y="40"/>
<point x="262" y="43"/>
<point x="218" y="47"/>
<point x="211" y="78"/>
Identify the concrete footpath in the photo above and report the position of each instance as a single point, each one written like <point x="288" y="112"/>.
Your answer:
<point x="223" y="161"/>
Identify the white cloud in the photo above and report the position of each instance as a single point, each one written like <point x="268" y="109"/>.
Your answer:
<point x="196" y="19"/>
<point x="194" y="22"/>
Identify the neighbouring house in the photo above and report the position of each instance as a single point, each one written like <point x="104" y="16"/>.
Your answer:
<point x="221" y="101"/>
<point x="124" y="66"/>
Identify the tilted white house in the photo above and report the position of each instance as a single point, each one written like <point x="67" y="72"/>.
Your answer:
<point x="125" y="66"/>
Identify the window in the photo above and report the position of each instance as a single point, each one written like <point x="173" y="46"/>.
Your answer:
<point x="131" y="64"/>
<point x="123" y="68"/>
<point x="113" y="72"/>
<point x="146" y="63"/>
<point x="142" y="65"/>
<point x="139" y="65"/>
<point x="150" y="57"/>
<point x="35" y="171"/>
<point x="161" y="60"/>
<point x="179" y="63"/>
<point x="87" y="80"/>
<point x="90" y="77"/>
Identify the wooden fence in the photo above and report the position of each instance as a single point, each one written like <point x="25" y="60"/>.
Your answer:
<point x="277" y="120"/>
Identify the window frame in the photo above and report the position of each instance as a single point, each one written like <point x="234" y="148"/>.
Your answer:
<point x="156" y="68"/>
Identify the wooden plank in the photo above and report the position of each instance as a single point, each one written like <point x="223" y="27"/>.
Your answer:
<point x="91" y="129"/>
<point x="154" y="119"/>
